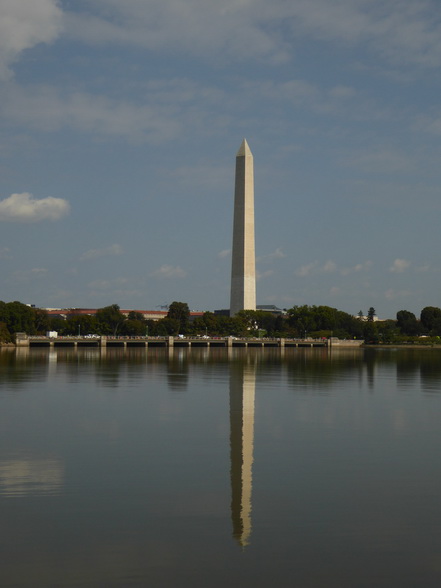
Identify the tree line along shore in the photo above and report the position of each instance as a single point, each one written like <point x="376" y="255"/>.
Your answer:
<point x="298" y="322"/>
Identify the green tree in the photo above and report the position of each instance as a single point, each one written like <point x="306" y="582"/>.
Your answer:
<point x="168" y="326"/>
<point x="109" y="320"/>
<point x="249" y="320"/>
<point x="81" y="324"/>
<point x="58" y="324"/>
<point x="370" y="332"/>
<point x="323" y="321"/>
<point x="210" y="324"/>
<point x="133" y="327"/>
<point x="301" y="319"/>
<point x="135" y="316"/>
<point x="4" y="312"/>
<point x="408" y="323"/>
<point x="389" y="331"/>
<point x="431" y="320"/>
<point x="179" y="311"/>
<point x="371" y="314"/>
<point x="20" y="318"/>
<point x="41" y="320"/>
<point x="5" y="335"/>
<point x="150" y="327"/>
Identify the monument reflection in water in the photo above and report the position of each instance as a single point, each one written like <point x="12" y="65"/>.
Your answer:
<point x="242" y="392"/>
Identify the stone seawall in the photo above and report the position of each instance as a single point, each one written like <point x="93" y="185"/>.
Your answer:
<point x="351" y="343"/>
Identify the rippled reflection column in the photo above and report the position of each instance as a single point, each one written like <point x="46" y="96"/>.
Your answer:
<point x="242" y="391"/>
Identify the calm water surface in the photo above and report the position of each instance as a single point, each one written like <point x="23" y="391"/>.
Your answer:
<point x="218" y="468"/>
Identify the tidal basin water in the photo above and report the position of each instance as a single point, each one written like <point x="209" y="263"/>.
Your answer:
<point x="220" y="468"/>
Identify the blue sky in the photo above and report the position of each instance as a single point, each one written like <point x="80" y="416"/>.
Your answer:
<point x="120" y="122"/>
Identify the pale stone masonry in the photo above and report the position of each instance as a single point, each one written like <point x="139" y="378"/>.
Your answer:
<point x="243" y="267"/>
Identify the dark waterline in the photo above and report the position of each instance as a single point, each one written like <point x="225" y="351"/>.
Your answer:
<point x="214" y="468"/>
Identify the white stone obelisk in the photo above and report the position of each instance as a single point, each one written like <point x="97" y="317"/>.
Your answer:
<point x="243" y="267"/>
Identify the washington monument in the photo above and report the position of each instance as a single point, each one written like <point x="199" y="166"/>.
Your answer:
<point x="243" y="267"/>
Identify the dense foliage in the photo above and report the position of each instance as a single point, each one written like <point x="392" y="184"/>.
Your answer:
<point x="16" y="317"/>
<point x="298" y="321"/>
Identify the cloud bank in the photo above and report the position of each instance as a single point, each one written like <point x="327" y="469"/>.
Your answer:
<point x="24" y="24"/>
<point x="399" y="266"/>
<point x="24" y="208"/>
<point x="168" y="271"/>
<point x="403" y="32"/>
<point x="111" y="250"/>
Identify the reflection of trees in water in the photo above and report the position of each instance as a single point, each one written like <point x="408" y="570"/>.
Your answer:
<point x="306" y="369"/>
<point x="414" y="367"/>
<point x="310" y="369"/>
<point x="407" y="366"/>
<point x="117" y="363"/>
<point x="18" y="366"/>
<point x="424" y="364"/>
<point x="430" y="371"/>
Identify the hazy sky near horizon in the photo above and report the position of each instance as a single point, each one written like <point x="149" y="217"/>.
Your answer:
<point x="120" y="122"/>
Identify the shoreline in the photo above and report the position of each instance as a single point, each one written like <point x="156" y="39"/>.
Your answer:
<point x="399" y="346"/>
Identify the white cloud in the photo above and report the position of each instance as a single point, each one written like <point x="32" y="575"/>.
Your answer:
<point x="428" y="122"/>
<point x="262" y="275"/>
<point x="382" y="160"/>
<point x="29" y="275"/>
<point x="206" y="28"/>
<point x="39" y="271"/>
<point x="299" y="93"/>
<point x="111" y="250"/>
<point x="329" y="267"/>
<point x="5" y="253"/>
<point x="25" y="208"/>
<point x="114" y="289"/>
<point x="358" y="267"/>
<point x="24" y="24"/>
<point x="168" y="271"/>
<point x="425" y="267"/>
<point x="224" y="253"/>
<point x="342" y="92"/>
<point x="277" y="254"/>
<point x="161" y="111"/>
<point x="399" y="266"/>
<point x="400" y="31"/>
<point x="49" y="109"/>
<point x="392" y="294"/>
<point x="306" y="270"/>
<point x="314" y="268"/>
<point x="107" y="284"/>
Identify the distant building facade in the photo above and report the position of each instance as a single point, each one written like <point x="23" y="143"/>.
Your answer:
<point x="152" y="315"/>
